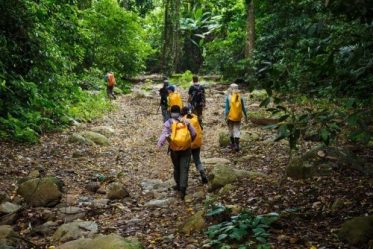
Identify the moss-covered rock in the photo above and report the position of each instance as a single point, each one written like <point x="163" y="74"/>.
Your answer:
<point x="104" y="130"/>
<point x="194" y="223"/>
<point x="111" y="241"/>
<point x="46" y="191"/>
<point x="79" y="139"/>
<point x="223" y="175"/>
<point x="97" y="138"/>
<point x="358" y="231"/>
<point x="8" y="238"/>
<point x="116" y="191"/>
<point x="298" y="169"/>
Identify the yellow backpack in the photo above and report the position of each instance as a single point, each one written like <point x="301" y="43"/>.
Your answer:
<point x="197" y="142"/>
<point x="174" y="99"/>
<point x="180" y="136"/>
<point x="235" y="107"/>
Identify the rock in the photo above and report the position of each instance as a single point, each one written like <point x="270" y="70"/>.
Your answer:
<point x="45" y="229"/>
<point x="79" y="139"/>
<point x="3" y="196"/>
<point x="100" y="203"/>
<point x="9" y="219"/>
<point x="298" y="169"/>
<point x="235" y="209"/>
<point x="8" y="208"/>
<point x="159" y="203"/>
<point x="116" y="191"/>
<point x="95" y="137"/>
<point x="8" y="238"/>
<point x="223" y="175"/>
<point x="215" y="160"/>
<point x="357" y="231"/>
<point x="150" y="184"/>
<point x="199" y="196"/>
<point x="104" y="130"/>
<point x="34" y="174"/>
<point x="194" y="223"/>
<point x="226" y="189"/>
<point x="111" y="241"/>
<point x="75" y="230"/>
<point x="93" y="186"/>
<point x="46" y="191"/>
<point x="68" y="214"/>
<point x="338" y="204"/>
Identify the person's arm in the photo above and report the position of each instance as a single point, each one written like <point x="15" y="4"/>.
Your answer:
<point x="166" y="132"/>
<point x="226" y="107"/>
<point x="244" y="107"/>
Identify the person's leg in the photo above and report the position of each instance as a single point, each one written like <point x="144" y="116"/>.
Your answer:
<point x="184" y="160"/>
<point x="176" y="163"/>
<point x="236" y="133"/>
<point x="197" y="161"/>
<point x="164" y="113"/>
<point x="231" y="133"/>
<point x="199" y="110"/>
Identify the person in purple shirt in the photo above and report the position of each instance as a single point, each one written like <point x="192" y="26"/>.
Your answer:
<point x="180" y="158"/>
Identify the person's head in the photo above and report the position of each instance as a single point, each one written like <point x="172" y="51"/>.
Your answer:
<point x="233" y="88"/>
<point x="165" y="83"/>
<point x="184" y="111"/>
<point x="195" y="79"/>
<point x="175" y="111"/>
<point x="171" y="89"/>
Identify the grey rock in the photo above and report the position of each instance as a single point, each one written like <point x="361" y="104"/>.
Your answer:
<point x="111" y="241"/>
<point x="8" y="207"/>
<point x="159" y="203"/>
<point x="116" y="191"/>
<point x="75" y="230"/>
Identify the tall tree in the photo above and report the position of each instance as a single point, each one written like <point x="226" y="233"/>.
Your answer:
<point x="171" y="40"/>
<point x="250" y="28"/>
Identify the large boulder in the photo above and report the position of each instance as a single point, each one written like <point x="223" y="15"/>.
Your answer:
<point x="75" y="230"/>
<point x="321" y="161"/>
<point x="46" y="191"/>
<point x="194" y="224"/>
<point x="111" y="241"/>
<point x="8" y="238"/>
<point x="223" y="175"/>
<point x="97" y="138"/>
<point x="107" y="131"/>
<point x="116" y="191"/>
<point x="358" y="231"/>
<point x="79" y="139"/>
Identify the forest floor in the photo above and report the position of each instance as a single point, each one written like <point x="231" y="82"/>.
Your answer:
<point x="133" y="158"/>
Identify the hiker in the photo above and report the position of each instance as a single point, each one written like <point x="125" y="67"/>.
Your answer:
<point x="174" y="98"/>
<point x="197" y="98"/>
<point x="110" y="79"/>
<point x="234" y="107"/>
<point x="197" y="142"/>
<point x="180" y="134"/>
<point x="163" y="92"/>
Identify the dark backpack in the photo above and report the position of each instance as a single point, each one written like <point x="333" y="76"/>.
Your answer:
<point x="198" y="95"/>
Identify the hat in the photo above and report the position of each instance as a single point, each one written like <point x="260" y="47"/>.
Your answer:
<point x="233" y="87"/>
<point x="165" y="82"/>
<point x="171" y="88"/>
<point x="175" y="109"/>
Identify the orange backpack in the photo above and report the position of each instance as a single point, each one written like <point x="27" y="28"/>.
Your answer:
<point x="235" y="107"/>
<point x="180" y="136"/>
<point x="110" y="79"/>
<point x="174" y="99"/>
<point x="197" y="142"/>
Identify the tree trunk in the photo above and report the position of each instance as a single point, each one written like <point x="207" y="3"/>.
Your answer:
<point x="171" y="41"/>
<point x="250" y="29"/>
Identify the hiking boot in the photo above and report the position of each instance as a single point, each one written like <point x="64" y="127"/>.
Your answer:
<point x="237" y="144"/>
<point x="182" y="193"/>
<point x="203" y="177"/>
<point x="231" y="146"/>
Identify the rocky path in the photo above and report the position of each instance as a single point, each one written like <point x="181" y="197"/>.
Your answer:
<point x="121" y="183"/>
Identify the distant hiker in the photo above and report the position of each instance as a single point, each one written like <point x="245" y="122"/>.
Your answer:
<point x="163" y="92"/>
<point x="197" y="98"/>
<point x="110" y="79"/>
<point x="174" y="98"/>
<point x="180" y="134"/>
<point x="234" y="107"/>
<point x="197" y="142"/>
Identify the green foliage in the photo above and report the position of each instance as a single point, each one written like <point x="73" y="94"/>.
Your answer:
<point x="182" y="80"/>
<point x="244" y="230"/>
<point x="54" y="56"/>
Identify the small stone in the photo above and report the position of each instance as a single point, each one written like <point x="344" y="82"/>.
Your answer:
<point x="159" y="203"/>
<point x="34" y="174"/>
<point x="93" y="186"/>
<point x="8" y="207"/>
<point x="116" y="191"/>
